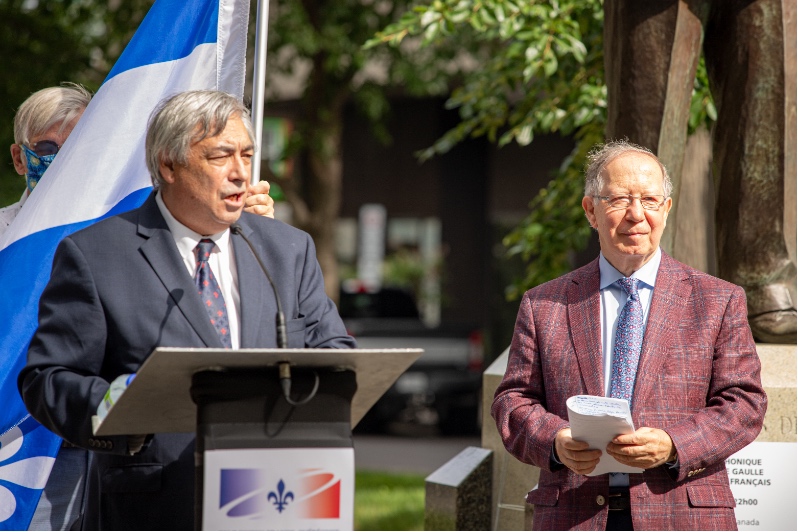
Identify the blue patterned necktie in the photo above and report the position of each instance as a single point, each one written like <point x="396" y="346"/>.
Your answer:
<point x="628" y="343"/>
<point x="210" y="293"/>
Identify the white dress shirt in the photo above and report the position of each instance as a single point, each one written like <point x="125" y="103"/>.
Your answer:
<point x="8" y="214"/>
<point x="613" y="299"/>
<point x="222" y="263"/>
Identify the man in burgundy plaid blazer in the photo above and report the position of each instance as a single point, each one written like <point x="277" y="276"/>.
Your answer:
<point x="697" y="396"/>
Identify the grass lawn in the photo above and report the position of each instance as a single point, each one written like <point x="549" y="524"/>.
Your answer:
<point x="388" y="501"/>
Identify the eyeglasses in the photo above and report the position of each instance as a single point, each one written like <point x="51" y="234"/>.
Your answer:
<point x="45" y="147"/>
<point x="650" y="202"/>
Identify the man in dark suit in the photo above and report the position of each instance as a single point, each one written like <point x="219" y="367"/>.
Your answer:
<point x="678" y="347"/>
<point x="126" y="285"/>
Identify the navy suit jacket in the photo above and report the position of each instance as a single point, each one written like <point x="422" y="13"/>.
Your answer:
<point x="118" y="290"/>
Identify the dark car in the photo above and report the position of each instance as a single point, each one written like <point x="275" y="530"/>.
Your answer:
<point x="442" y="387"/>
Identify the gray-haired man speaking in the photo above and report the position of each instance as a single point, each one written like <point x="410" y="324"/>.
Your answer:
<point x="127" y="285"/>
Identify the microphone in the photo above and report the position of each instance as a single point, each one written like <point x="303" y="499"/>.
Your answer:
<point x="282" y="335"/>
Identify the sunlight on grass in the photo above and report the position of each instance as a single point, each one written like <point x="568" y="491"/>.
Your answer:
<point x="386" y="501"/>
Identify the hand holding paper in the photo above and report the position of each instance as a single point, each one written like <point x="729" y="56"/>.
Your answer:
<point x="646" y="448"/>
<point x="596" y="421"/>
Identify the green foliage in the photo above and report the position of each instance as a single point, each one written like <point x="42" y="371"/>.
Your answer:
<point x="385" y="501"/>
<point x="555" y="226"/>
<point x="540" y="70"/>
<point x="328" y="36"/>
<point x="702" y="108"/>
<point x="537" y="68"/>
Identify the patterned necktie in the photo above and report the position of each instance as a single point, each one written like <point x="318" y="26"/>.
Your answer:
<point x="628" y="343"/>
<point x="210" y="293"/>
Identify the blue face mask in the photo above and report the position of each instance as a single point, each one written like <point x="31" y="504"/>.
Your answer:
<point x="36" y="164"/>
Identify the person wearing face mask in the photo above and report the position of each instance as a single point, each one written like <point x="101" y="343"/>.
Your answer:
<point x="41" y="126"/>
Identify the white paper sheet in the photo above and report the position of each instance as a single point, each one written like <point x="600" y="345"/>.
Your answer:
<point x="597" y="420"/>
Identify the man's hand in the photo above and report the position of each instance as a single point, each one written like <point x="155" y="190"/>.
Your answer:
<point x="258" y="200"/>
<point x="575" y="454"/>
<point x="645" y="448"/>
<point x="135" y="442"/>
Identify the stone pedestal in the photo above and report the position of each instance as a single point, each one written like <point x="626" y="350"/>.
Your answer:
<point x="513" y="479"/>
<point x="458" y="495"/>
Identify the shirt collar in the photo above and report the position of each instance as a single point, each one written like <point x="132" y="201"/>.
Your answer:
<point x="24" y="197"/>
<point x="185" y="238"/>
<point x="647" y="274"/>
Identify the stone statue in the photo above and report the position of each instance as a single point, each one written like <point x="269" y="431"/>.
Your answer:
<point x="651" y="52"/>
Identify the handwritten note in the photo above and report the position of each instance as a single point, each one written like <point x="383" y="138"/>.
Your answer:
<point x="597" y="420"/>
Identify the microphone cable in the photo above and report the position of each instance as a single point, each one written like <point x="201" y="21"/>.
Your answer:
<point x="282" y="335"/>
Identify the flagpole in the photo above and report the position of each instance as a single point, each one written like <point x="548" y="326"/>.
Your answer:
<point x="259" y="83"/>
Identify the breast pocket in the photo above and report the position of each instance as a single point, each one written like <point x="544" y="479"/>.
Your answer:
<point x="296" y="332"/>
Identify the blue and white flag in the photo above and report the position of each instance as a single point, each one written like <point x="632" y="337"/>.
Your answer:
<point x="100" y="171"/>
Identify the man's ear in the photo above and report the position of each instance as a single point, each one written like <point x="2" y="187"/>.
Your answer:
<point x="667" y="207"/>
<point x="167" y="170"/>
<point x="20" y="165"/>
<point x="590" y="211"/>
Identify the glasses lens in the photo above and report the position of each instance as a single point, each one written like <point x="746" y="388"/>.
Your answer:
<point x="619" y="202"/>
<point x="651" y="203"/>
<point x="45" y="147"/>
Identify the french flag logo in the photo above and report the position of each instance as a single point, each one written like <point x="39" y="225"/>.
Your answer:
<point x="312" y="493"/>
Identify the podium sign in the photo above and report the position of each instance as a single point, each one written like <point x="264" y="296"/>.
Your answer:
<point x="279" y="489"/>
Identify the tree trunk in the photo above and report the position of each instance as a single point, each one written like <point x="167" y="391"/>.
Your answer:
<point x="323" y="192"/>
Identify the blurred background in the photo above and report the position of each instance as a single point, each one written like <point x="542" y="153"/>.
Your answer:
<point x="362" y="148"/>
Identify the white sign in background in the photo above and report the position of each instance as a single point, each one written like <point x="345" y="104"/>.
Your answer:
<point x="371" y="248"/>
<point x="279" y="489"/>
<point x="763" y="480"/>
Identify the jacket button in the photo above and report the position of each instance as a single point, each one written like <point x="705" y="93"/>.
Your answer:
<point x="600" y="500"/>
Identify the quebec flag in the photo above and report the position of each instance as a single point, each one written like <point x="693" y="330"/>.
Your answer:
<point x="100" y="171"/>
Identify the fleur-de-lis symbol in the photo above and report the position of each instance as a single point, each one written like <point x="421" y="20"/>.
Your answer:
<point x="26" y="472"/>
<point x="280" y="499"/>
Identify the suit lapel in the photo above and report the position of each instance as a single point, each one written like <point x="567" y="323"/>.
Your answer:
<point x="258" y="308"/>
<point x="584" y="320"/>
<point x="161" y="253"/>
<point x="670" y="292"/>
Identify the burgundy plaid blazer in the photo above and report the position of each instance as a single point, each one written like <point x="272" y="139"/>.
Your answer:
<point x="697" y="379"/>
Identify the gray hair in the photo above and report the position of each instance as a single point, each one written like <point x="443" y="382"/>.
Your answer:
<point x="184" y="119"/>
<point x="47" y="108"/>
<point x="602" y="155"/>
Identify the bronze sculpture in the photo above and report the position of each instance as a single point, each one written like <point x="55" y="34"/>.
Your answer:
<point x="652" y="50"/>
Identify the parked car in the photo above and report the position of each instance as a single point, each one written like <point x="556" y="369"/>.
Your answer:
<point x="442" y="387"/>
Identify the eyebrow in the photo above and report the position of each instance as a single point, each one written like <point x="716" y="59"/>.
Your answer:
<point x="229" y="148"/>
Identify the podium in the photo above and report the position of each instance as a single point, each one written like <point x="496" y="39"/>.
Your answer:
<point x="262" y="462"/>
